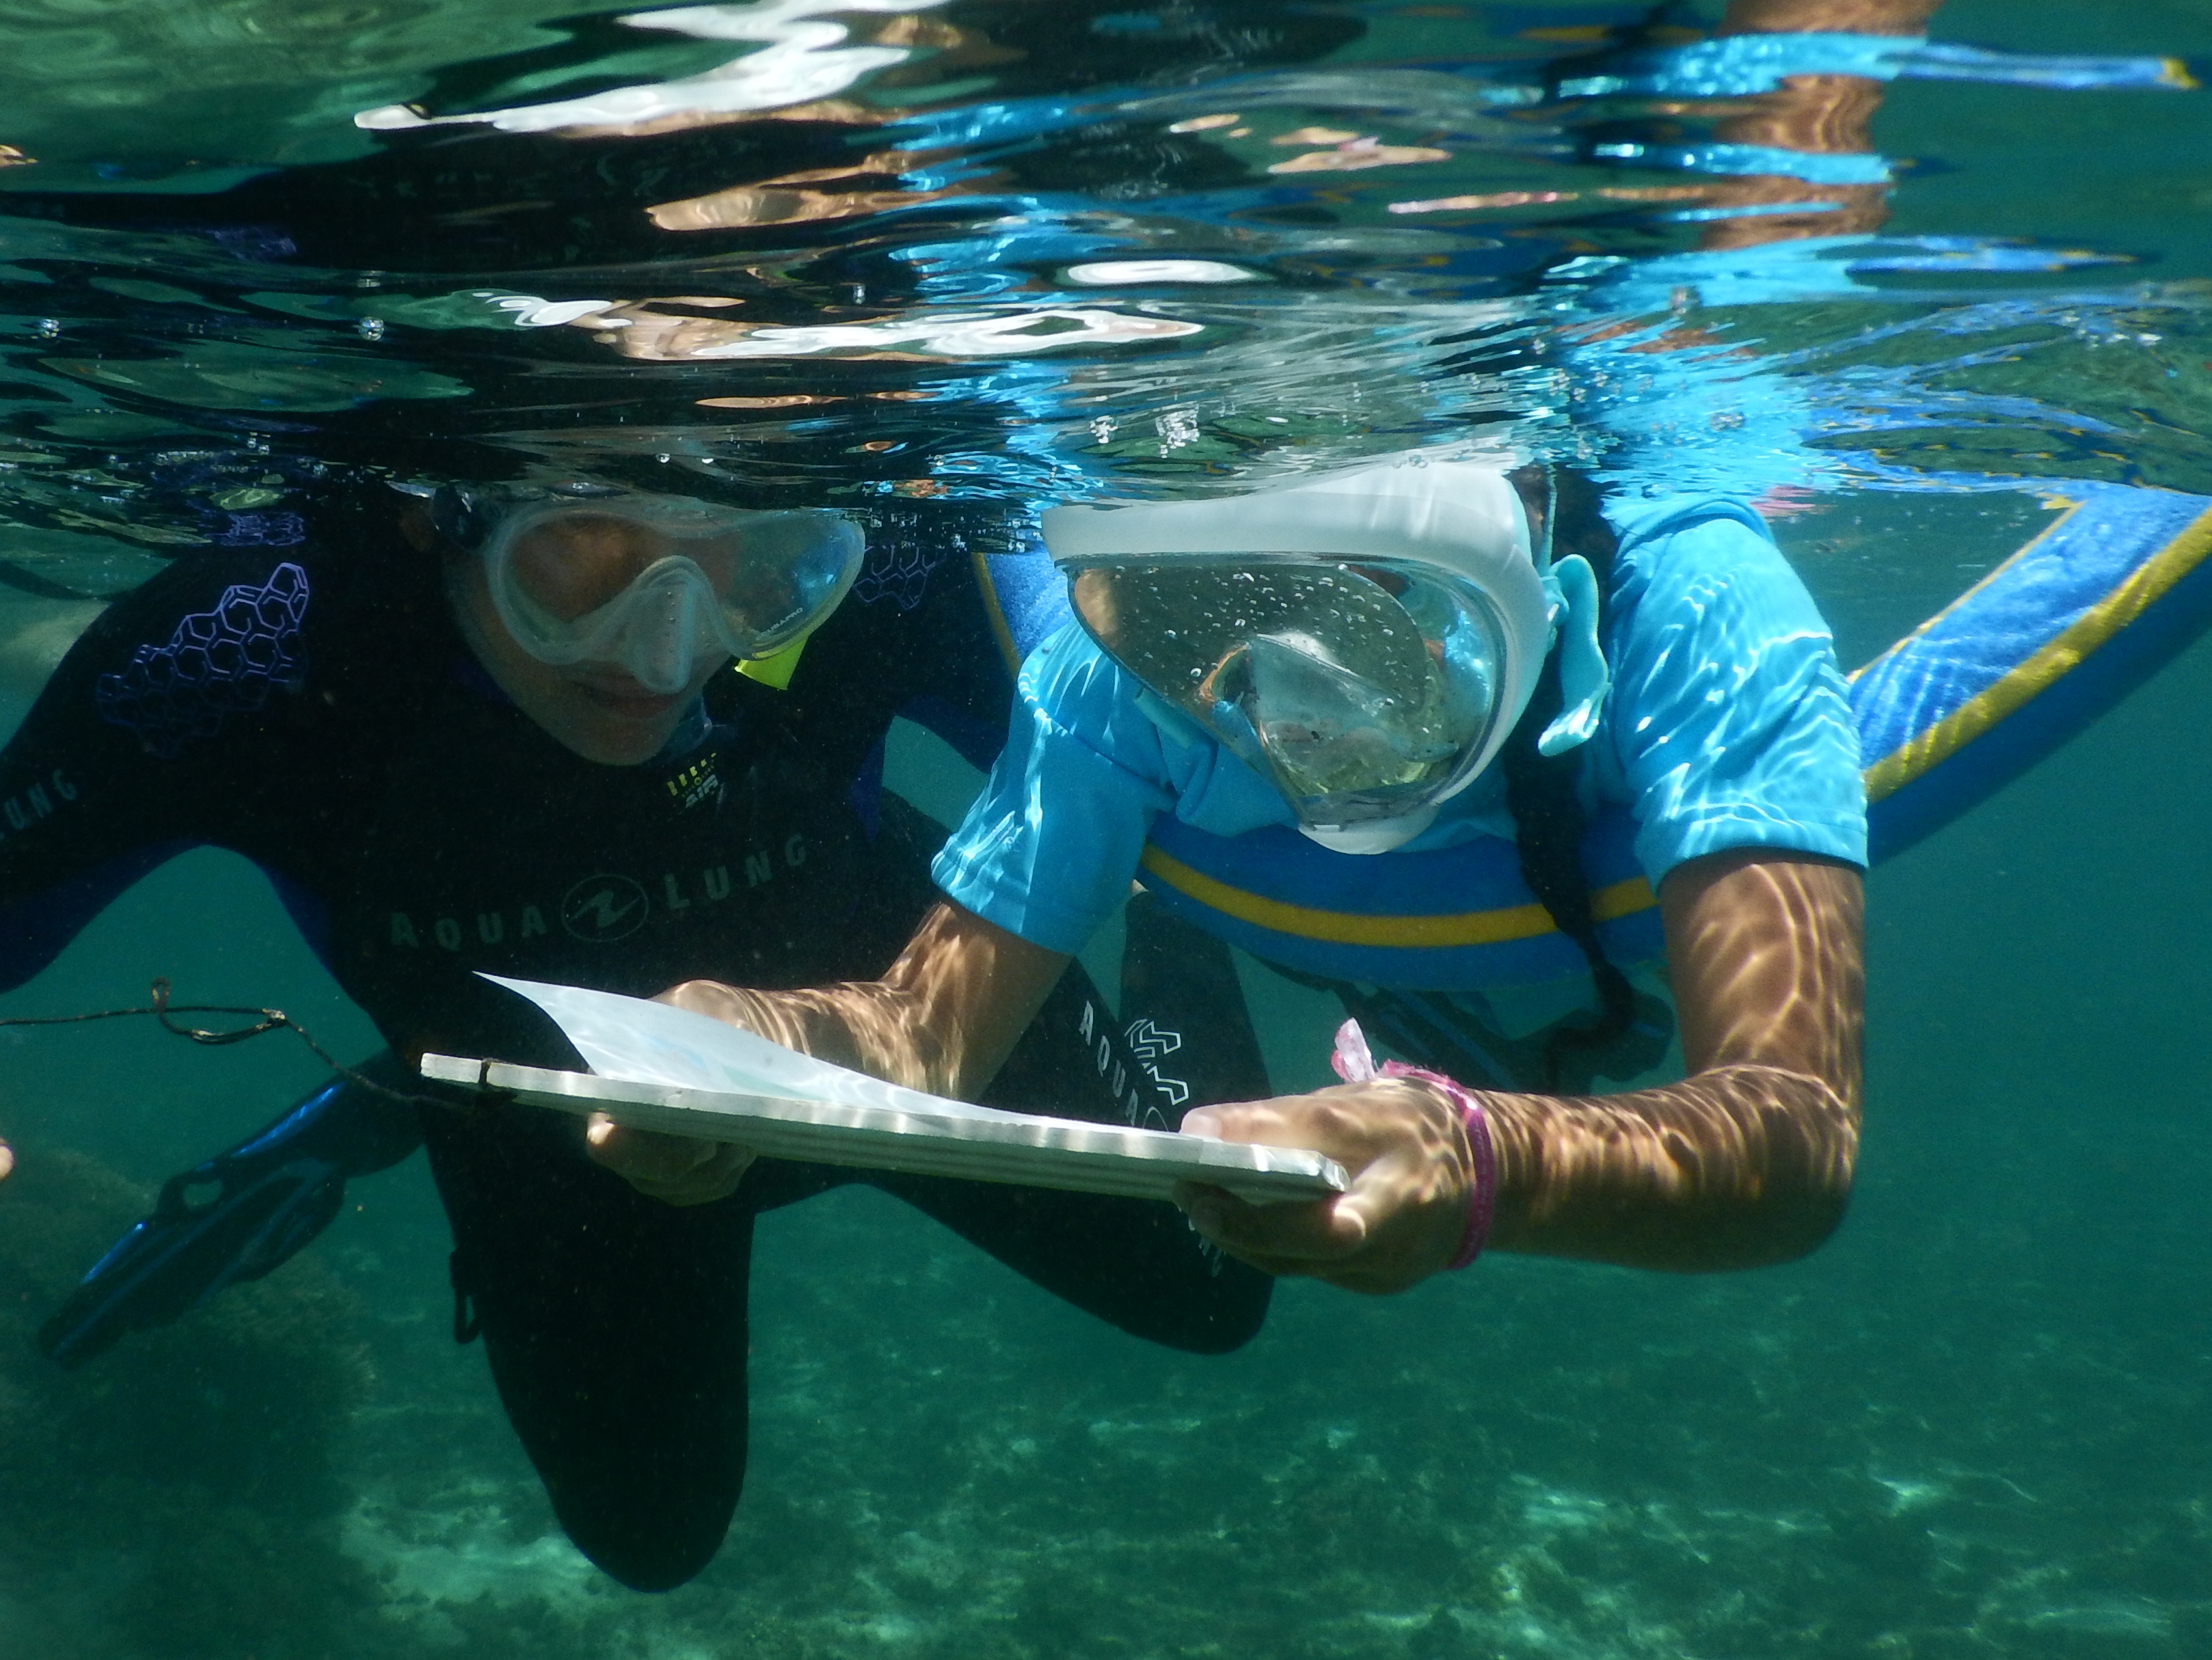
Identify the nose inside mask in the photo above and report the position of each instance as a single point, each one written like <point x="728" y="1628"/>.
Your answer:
<point x="659" y="627"/>
<point x="1324" y="726"/>
<point x="667" y="633"/>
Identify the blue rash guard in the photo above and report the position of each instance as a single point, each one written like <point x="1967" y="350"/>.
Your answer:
<point x="1727" y="727"/>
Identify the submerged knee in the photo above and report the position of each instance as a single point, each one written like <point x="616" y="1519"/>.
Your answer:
<point x="649" y="1552"/>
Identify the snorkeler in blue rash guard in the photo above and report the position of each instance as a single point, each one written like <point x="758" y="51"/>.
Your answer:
<point x="512" y="746"/>
<point x="1414" y="664"/>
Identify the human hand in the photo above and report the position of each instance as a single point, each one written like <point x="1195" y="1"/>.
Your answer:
<point x="1404" y="1145"/>
<point x="677" y="1170"/>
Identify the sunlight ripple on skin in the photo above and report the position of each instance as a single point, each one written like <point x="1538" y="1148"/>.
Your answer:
<point x="1796" y="959"/>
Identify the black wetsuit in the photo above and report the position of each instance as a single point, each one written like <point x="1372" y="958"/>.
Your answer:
<point x="316" y="710"/>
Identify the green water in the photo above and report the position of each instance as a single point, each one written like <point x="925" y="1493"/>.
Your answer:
<point x="1972" y="1426"/>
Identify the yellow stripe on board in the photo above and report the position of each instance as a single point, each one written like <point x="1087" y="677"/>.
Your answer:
<point x="1516" y="922"/>
<point x="2026" y="681"/>
<point x="2034" y="542"/>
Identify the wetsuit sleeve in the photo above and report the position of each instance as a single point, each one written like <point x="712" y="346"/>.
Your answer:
<point x="130" y="752"/>
<point x="1729" y="717"/>
<point x="1048" y="848"/>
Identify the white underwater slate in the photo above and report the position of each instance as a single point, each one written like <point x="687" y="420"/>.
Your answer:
<point x="657" y="1068"/>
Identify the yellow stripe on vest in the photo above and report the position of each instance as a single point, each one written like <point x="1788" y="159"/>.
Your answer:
<point x="1516" y="922"/>
<point x="2020" y="685"/>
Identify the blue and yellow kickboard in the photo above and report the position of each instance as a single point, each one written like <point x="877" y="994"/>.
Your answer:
<point x="1973" y="697"/>
<point x="2030" y="655"/>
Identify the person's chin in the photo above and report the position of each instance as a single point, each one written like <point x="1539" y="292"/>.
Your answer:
<point x="621" y="727"/>
<point x="632" y="705"/>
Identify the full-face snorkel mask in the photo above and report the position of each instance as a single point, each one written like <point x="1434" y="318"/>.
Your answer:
<point x="655" y="584"/>
<point x="1365" y="641"/>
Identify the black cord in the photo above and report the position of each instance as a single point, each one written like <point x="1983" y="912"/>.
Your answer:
<point x="268" y="1019"/>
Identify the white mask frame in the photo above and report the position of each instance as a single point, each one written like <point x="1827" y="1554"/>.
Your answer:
<point x="1463" y="521"/>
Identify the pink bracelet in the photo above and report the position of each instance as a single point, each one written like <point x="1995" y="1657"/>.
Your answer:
<point x="1355" y="1063"/>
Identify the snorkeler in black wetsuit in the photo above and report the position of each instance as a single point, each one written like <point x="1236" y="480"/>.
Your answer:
<point x="328" y="713"/>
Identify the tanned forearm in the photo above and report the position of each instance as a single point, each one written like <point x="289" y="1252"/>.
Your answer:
<point x="1735" y="1167"/>
<point x="1828" y="16"/>
<point x="943" y="1017"/>
<point x="869" y="1026"/>
<point x="1749" y="1159"/>
<point x="1746" y="1162"/>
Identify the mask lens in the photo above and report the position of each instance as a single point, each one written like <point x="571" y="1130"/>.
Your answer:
<point x="1358" y="688"/>
<point x="783" y="573"/>
<point x="568" y="565"/>
<point x="574" y="583"/>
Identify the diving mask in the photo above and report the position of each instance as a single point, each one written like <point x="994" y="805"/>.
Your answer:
<point x="658" y="585"/>
<point x="1365" y="641"/>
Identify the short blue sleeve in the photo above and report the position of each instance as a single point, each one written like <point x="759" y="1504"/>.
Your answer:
<point x="1729" y="717"/>
<point x="1047" y="850"/>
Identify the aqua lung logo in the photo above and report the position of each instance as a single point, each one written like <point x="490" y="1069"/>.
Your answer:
<point x="1148" y="1043"/>
<point x="1126" y="1073"/>
<point x="600" y="910"/>
<point x="28" y="806"/>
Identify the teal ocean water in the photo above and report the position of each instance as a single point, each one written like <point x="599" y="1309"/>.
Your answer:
<point x="1971" y="1425"/>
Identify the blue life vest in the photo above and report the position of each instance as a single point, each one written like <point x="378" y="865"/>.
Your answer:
<point x="1971" y="699"/>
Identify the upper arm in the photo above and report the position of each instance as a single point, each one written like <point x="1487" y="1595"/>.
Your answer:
<point x="75" y="802"/>
<point x="1729" y="719"/>
<point x="134" y="748"/>
<point x="1735" y="733"/>
<point x="1047" y="850"/>
<point x="1767" y="959"/>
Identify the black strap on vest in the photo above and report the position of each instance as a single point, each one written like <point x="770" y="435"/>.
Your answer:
<point x="1541" y="794"/>
<point x="1547" y="832"/>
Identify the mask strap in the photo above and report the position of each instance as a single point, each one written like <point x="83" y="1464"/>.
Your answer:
<point x="461" y="516"/>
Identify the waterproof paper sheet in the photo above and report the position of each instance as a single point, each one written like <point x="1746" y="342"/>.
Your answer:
<point x="657" y="1068"/>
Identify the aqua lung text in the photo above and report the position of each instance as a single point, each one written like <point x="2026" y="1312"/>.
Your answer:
<point x="601" y="908"/>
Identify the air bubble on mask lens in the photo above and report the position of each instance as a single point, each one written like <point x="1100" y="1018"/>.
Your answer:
<point x="370" y="327"/>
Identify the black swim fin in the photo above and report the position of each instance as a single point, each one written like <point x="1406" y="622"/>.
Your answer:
<point x="273" y="1193"/>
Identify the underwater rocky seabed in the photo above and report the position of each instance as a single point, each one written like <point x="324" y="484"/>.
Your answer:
<point x="1971" y="1426"/>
